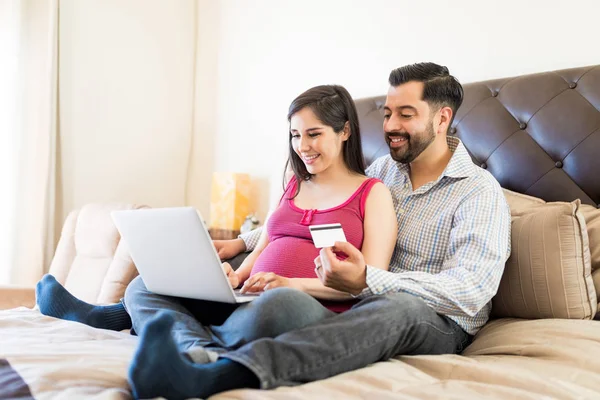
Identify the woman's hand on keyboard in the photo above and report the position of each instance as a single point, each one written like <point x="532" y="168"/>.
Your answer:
<point x="263" y="281"/>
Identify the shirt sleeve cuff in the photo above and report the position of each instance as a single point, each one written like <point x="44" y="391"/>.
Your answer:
<point x="374" y="275"/>
<point x="249" y="240"/>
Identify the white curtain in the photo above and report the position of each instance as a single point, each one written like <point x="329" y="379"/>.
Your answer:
<point x="28" y="132"/>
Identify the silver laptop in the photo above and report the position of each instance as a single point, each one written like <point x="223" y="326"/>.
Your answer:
<point x="174" y="254"/>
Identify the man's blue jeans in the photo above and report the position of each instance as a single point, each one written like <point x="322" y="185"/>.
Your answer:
<point x="286" y="337"/>
<point x="377" y="328"/>
<point x="221" y="326"/>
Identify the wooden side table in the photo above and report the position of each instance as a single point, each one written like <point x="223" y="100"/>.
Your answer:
<point x="223" y="234"/>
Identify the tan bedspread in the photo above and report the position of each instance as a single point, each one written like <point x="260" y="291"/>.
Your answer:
<point x="510" y="359"/>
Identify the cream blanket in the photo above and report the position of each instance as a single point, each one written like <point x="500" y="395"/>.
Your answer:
<point x="46" y="358"/>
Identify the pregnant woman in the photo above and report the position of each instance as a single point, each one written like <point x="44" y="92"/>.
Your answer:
<point x="327" y="184"/>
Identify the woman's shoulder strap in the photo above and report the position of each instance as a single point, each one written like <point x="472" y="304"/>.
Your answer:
<point x="290" y="188"/>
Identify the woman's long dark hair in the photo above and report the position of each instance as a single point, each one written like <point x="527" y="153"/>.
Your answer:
<point x="333" y="106"/>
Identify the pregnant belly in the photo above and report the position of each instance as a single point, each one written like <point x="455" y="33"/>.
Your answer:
<point x="288" y="257"/>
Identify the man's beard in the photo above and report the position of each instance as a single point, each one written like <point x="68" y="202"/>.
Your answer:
<point x="415" y="145"/>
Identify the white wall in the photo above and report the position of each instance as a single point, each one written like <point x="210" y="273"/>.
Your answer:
<point x="272" y="50"/>
<point x="145" y="84"/>
<point x="126" y="83"/>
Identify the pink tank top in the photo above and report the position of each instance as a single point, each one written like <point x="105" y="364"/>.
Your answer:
<point x="291" y="252"/>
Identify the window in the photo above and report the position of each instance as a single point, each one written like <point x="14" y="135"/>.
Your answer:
<point x="9" y="126"/>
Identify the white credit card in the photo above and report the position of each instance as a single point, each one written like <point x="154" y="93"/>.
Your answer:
<point x="327" y="234"/>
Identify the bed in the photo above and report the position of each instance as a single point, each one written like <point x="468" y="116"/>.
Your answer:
<point x="537" y="134"/>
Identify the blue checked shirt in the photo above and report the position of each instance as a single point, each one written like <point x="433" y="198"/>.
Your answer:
<point x="453" y="238"/>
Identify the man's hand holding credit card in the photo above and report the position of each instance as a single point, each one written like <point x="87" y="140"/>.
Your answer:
<point x="333" y="266"/>
<point x="327" y="234"/>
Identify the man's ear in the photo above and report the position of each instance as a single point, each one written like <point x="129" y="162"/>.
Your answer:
<point x="346" y="131"/>
<point x="445" y="119"/>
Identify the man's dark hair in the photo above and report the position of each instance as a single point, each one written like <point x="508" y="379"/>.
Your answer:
<point x="440" y="89"/>
<point x="333" y="106"/>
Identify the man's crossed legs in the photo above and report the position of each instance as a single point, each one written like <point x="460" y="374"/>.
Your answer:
<point x="284" y="337"/>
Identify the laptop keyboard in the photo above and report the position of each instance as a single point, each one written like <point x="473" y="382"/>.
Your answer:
<point x="239" y="294"/>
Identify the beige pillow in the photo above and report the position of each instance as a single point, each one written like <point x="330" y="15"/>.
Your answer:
<point x="90" y="260"/>
<point x="548" y="274"/>
<point x="592" y="220"/>
<point x="519" y="202"/>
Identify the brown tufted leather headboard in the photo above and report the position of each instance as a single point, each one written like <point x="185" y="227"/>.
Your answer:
<point x="537" y="134"/>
